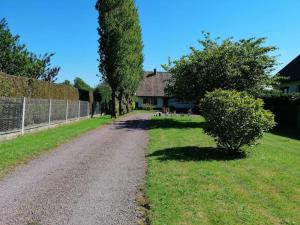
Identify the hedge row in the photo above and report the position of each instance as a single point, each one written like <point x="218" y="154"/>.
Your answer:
<point x="15" y="86"/>
<point x="286" y="108"/>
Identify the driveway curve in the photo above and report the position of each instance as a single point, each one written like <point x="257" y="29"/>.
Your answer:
<point x="88" y="181"/>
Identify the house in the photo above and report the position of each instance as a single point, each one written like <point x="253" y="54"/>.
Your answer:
<point x="292" y="72"/>
<point x="152" y="90"/>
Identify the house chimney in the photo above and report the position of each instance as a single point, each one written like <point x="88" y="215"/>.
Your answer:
<point x="154" y="71"/>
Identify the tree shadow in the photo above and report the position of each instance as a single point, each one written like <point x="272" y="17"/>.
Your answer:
<point x="165" y="123"/>
<point x="289" y="133"/>
<point x="194" y="153"/>
<point x="131" y="125"/>
<point x="169" y="123"/>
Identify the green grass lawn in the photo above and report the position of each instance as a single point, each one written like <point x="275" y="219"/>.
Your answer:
<point x="190" y="182"/>
<point x="22" y="149"/>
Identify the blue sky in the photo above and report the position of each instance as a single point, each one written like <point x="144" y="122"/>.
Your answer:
<point x="170" y="27"/>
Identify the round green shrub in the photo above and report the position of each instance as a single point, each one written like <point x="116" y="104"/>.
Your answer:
<point x="235" y="119"/>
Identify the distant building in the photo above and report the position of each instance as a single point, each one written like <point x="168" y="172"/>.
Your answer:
<point x="292" y="72"/>
<point x="152" y="91"/>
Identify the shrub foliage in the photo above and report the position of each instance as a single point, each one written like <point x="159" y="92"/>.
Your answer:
<point x="235" y="119"/>
<point x="17" y="86"/>
<point x="244" y="65"/>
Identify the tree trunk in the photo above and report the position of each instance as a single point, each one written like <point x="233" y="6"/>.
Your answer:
<point x="127" y="104"/>
<point x="113" y="104"/>
<point x="120" y="103"/>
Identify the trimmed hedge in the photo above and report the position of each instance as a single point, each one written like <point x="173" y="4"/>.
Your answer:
<point x="286" y="108"/>
<point x="15" y="86"/>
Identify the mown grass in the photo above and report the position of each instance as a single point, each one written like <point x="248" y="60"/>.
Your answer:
<point x="22" y="149"/>
<point x="190" y="182"/>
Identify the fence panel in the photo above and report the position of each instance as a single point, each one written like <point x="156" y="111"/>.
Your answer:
<point x="36" y="112"/>
<point x="14" y="117"/>
<point x="58" y="111"/>
<point x="73" y="108"/>
<point x="97" y="108"/>
<point x="84" y="108"/>
<point x="10" y="114"/>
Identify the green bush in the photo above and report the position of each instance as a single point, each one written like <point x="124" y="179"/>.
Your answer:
<point x="148" y="107"/>
<point x="16" y="86"/>
<point x="235" y="119"/>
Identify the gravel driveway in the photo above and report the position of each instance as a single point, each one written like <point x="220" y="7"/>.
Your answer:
<point x="90" y="180"/>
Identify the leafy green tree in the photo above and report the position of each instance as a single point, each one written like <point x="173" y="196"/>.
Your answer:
<point x="244" y="65"/>
<point x="105" y="91"/>
<point x="81" y="84"/>
<point x="15" y="59"/>
<point x="235" y="119"/>
<point x="47" y="73"/>
<point x="120" y="48"/>
<point x="67" y="83"/>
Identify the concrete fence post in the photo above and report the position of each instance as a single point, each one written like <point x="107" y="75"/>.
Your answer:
<point x="23" y="115"/>
<point x="49" y="116"/>
<point x="67" y="110"/>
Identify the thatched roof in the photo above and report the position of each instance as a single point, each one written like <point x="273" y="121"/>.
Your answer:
<point x="153" y="84"/>
<point x="292" y="70"/>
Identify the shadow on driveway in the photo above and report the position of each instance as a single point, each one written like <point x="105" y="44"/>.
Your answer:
<point x="166" y="123"/>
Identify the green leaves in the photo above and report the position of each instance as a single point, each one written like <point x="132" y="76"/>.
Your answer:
<point x="81" y="84"/>
<point x="15" y="59"/>
<point x="120" y="47"/>
<point x="244" y="65"/>
<point x="235" y="119"/>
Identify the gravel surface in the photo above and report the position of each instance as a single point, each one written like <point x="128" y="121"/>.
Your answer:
<point x="90" y="180"/>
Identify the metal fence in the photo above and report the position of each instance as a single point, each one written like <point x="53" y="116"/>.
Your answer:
<point x="21" y="114"/>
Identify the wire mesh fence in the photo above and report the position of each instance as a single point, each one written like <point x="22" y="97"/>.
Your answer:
<point x="97" y="108"/>
<point x="20" y="114"/>
<point x="36" y="112"/>
<point x="73" y="107"/>
<point x="11" y="110"/>
<point x="58" y="111"/>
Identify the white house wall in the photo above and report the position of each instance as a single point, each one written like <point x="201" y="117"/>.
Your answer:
<point x="293" y="86"/>
<point x="160" y="103"/>
<point x="172" y="102"/>
<point x="178" y="105"/>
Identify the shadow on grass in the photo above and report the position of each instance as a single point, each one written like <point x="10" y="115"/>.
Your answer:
<point x="193" y="153"/>
<point x="167" y="123"/>
<point x="289" y="133"/>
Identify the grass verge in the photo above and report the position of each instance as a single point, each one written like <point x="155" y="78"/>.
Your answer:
<point x="23" y="149"/>
<point x="190" y="182"/>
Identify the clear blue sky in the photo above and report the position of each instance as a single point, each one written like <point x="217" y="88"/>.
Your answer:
<point x="170" y="27"/>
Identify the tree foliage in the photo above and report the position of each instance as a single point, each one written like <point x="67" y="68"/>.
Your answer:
<point x="235" y="119"/>
<point x="120" y="48"/>
<point x="15" y="59"/>
<point x="244" y="65"/>
<point x="81" y="84"/>
<point x="105" y="91"/>
<point x="67" y="83"/>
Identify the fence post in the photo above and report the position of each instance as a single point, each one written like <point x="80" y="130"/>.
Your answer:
<point x="49" y="116"/>
<point x="67" y="110"/>
<point x="23" y="115"/>
<point x="79" y="109"/>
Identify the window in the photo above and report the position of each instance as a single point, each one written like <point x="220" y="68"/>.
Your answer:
<point x="285" y="90"/>
<point x="150" y="100"/>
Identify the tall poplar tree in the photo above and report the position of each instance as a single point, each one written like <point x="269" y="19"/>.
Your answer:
<point x="120" y="48"/>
